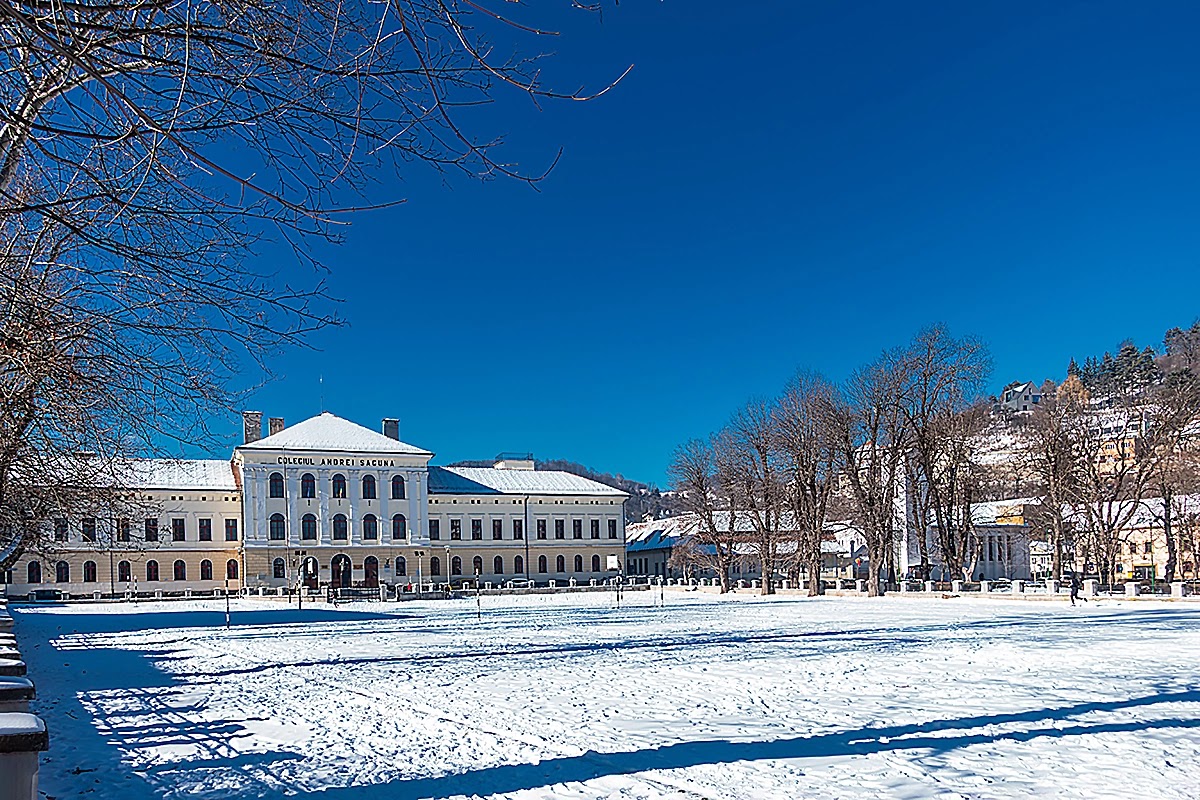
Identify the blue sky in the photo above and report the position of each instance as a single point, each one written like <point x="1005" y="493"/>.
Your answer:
<point x="795" y="187"/>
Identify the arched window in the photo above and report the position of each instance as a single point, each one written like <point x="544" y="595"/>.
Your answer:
<point x="456" y="566"/>
<point x="368" y="487"/>
<point x="560" y="564"/>
<point x="89" y="572"/>
<point x="278" y="568"/>
<point x="370" y="527"/>
<point x="277" y="528"/>
<point x="518" y="565"/>
<point x="308" y="528"/>
<point x="397" y="487"/>
<point x="180" y="570"/>
<point x="399" y="527"/>
<point x="124" y="571"/>
<point x="435" y="566"/>
<point x="339" y="528"/>
<point x="231" y="569"/>
<point x="595" y="563"/>
<point x="498" y="565"/>
<point x="541" y="563"/>
<point x="308" y="485"/>
<point x="151" y="570"/>
<point x="339" y="485"/>
<point x="579" y="563"/>
<point x="62" y="572"/>
<point x="206" y="570"/>
<point x="477" y="565"/>
<point x="401" y="566"/>
<point x="276" y="485"/>
<point x="35" y="572"/>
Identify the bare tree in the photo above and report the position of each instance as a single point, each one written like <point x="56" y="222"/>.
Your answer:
<point x="943" y="377"/>
<point x="747" y="458"/>
<point x="1054" y="452"/>
<point x="148" y="149"/>
<point x="694" y="475"/>
<point x="810" y="462"/>
<point x="867" y="423"/>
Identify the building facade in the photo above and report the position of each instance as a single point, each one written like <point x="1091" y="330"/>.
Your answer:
<point x="330" y="503"/>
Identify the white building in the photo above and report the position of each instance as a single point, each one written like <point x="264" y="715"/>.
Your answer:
<point x="331" y="503"/>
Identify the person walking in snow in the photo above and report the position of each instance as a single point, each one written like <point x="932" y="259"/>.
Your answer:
<point x="1076" y="585"/>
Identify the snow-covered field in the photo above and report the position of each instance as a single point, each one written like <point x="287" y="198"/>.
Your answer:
<point x="566" y="696"/>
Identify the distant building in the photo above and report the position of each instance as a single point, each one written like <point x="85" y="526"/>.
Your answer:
<point x="1020" y="397"/>
<point x="999" y="544"/>
<point x="671" y="548"/>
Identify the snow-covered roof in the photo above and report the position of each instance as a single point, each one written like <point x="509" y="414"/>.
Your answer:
<point x="170" y="473"/>
<point x="487" y="480"/>
<point x="666" y="532"/>
<point x="329" y="432"/>
<point x="1149" y="512"/>
<point x="988" y="513"/>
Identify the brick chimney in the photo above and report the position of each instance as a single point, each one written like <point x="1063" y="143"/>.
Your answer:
<point x="391" y="428"/>
<point x="251" y="426"/>
<point x="274" y="425"/>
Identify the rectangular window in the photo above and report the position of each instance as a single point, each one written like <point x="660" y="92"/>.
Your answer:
<point x="595" y="529"/>
<point x="206" y="530"/>
<point x="576" y="529"/>
<point x="151" y="530"/>
<point x="123" y="530"/>
<point x="231" y="530"/>
<point x="612" y="529"/>
<point x="89" y="529"/>
<point x="560" y="529"/>
<point x="541" y="529"/>
<point x="177" y="534"/>
<point x="497" y="529"/>
<point x="1147" y="548"/>
<point x="435" y="529"/>
<point x="991" y="549"/>
<point x="476" y="529"/>
<point x="518" y="529"/>
<point x="456" y="529"/>
<point x="60" y="530"/>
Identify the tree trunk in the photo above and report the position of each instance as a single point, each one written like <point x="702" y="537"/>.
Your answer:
<point x="1169" y="568"/>
<point x="875" y="558"/>
<point x="815" y="587"/>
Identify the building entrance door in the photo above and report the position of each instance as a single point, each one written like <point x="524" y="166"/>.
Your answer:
<point x="339" y="568"/>
<point x="312" y="572"/>
<point x="371" y="572"/>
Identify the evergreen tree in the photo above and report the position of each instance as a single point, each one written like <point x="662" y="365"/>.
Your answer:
<point x="1090" y="374"/>
<point x="1148" y="371"/>
<point x="1125" y="366"/>
<point x="1073" y="370"/>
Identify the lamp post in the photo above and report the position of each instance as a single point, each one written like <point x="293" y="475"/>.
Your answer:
<point x="419" y="554"/>
<point x="447" y="569"/>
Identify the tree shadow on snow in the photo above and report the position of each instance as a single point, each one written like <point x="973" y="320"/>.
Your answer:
<point x="862" y="741"/>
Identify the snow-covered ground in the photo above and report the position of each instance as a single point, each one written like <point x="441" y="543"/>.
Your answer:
<point x="568" y="697"/>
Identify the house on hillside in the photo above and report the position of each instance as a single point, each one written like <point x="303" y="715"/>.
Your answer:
<point x="1019" y="397"/>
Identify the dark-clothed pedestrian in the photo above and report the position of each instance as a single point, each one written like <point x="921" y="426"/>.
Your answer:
<point x="1076" y="585"/>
